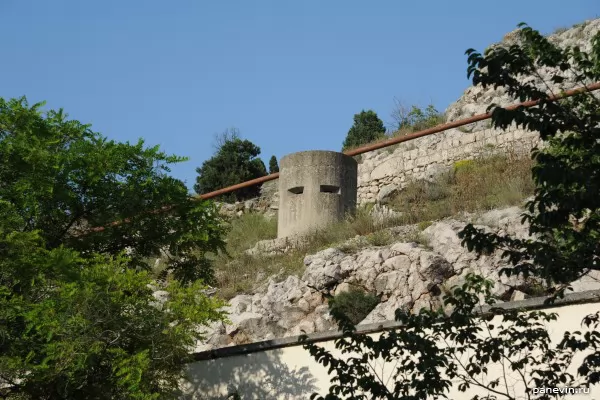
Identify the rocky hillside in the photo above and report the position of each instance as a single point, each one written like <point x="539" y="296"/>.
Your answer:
<point x="405" y="273"/>
<point x="475" y="100"/>
<point x="382" y="173"/>
<point x="402" y="275"/>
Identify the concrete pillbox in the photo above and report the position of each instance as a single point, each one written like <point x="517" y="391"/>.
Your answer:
<point x="316" y="188"/>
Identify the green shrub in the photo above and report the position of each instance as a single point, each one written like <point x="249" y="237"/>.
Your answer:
<point x="380" y="238"/>
<point x="355" y="304"/>
<point x="419" y="119"/>
<point x="415" y="119"/>
<point x="78" y="315"/>
<point x="464" y="165"/>
<point x="367" y="128"/>
<point x="424" y="225"/>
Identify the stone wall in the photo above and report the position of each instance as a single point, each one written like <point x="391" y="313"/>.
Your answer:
<point x="383" y="172"/>
<point x="267" y="203"/>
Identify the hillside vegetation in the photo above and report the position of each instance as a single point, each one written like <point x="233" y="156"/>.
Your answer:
<point x="470" y="186"/>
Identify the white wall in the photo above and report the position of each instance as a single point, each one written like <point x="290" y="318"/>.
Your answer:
<point x="291" y="373"/>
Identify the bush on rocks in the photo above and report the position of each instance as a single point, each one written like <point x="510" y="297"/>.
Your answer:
<point x="355" y="304"/>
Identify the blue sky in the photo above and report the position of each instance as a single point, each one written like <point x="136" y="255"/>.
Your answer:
<point x="289" y="75"/>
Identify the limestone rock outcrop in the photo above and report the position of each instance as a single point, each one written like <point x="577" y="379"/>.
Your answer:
<point x="476" y="99"/>
<point x="402" y="275"/>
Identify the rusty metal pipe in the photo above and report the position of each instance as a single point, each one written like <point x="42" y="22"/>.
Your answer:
<point x="366" y="149"/>
<point x="462" y="122"/>
<point x="233" y="188"/>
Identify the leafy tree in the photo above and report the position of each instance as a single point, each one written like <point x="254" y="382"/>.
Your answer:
<point x="433" y="351"/>
<point x="235" y="161"/>
<point x="435" y="348"/>
<point x="78" y="318"/>
<point x="367" y="128"/>
<point x="564" y="214"/>
<point x="63" y="178"/>
<point x="78" y="327"/>
<point x="273" y="166"/>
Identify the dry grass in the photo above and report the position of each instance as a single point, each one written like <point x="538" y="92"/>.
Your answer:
<point x="472" y="185"/>
<point x="559" y="30"/>
<point x="235" y="269"/>
<point x="245" y="231"/>
<point x="239" y="272"/>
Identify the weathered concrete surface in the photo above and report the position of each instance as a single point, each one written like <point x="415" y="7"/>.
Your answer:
<point x="316" y="188"/>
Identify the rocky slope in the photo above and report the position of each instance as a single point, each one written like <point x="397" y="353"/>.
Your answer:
<point x="476" y="99"/>
<point x="403" y="275"/>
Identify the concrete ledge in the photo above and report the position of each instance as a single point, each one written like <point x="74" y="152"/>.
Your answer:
<point x="591" y="296"/>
